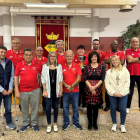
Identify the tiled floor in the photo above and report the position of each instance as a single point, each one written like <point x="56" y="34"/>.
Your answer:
<point x="104" y="133"/>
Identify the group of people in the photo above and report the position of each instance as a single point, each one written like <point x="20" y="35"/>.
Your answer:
<point x="70" y="77"/>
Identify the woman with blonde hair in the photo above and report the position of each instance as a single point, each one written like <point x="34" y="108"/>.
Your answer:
<point x="117" y="83"/>
<point x="52" y="87"/>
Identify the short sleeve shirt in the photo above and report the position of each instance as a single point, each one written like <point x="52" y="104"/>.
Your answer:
<point x="61" y="58"/>
<point x="109" y="54"/>
<point x="133" y="68"/>
<point x="70" y="75"/>
<point x="28" y="76"/>
<point x="14" y="57"/>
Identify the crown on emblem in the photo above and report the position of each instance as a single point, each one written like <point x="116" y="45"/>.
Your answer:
<point x="52" y="36"/>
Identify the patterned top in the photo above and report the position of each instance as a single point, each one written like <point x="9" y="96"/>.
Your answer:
<point x="94" y="75"/>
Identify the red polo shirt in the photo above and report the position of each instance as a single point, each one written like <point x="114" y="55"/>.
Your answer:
<point x="101" y="53"/>
<point x="61" y="58"/>
<point x="70" y="75"/>
<point x="15" y="57"/>
<point x="41" y="62"/>
<point x="133" y="68"/>
<point x="77" y="60"/>
<point x="28" y="75"/>
<point x="109" y="54"/>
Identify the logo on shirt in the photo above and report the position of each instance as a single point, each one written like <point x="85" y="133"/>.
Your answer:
<point x="73" y="69"/>
<point x="10" y="56"/>
<point x="132" y="54"/>
<point x="20" y="55"/>
<point x="34" y="68"/>
<point x="23" y="69"/>
<point x="64" y="70"/>
<point x="75" y="59"/>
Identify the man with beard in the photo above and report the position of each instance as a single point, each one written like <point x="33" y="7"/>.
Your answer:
<point x="114" y="51"/>
<point x="71" y="78"/>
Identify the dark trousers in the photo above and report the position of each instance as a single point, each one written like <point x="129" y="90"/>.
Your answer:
<point x="107" y="100"/>
<point x="133" y="79"/>
<point x="54" y="101"/>
<point x="61" y="105"/>
<point x="92" y="114"/>
<point x="82" y="94"/>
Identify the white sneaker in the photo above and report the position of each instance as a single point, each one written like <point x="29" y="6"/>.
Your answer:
<point x="55" y="128"/>
<point x="52" y="111"/>
<point x="48" y="129"/>
<point x="84" y="110"/>
<point x="127" y="110"/>
<point x="62" y="110"/>
<point x="123" y="130"/>
<point x="114" y="127"/>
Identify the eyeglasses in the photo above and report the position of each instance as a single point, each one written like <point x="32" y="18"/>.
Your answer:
<point x="114" y="44"/>
<point x="39" y="50"/>
<point x="52" y="56"/>
<point x="95" y="44"/>
<point x="15" y="43"/>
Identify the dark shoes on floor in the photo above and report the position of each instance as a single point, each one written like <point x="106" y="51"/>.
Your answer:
<point x="106" y="108"/>
<point x="90" y="127"/>
<point x="95" y="127"/>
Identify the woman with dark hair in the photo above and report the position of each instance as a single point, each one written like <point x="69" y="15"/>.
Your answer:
<point x="52" y="87"/>
<point x="94" y="76"/>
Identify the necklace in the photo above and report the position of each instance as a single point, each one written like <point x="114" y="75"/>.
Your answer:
<point x="52" y="75"/>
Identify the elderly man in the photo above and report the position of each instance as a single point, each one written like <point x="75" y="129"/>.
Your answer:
<point x="133" y="64"/>
<point x="80" y="58"/>
<point x="114" y="51"/>
<point x="15" y="55"/>
<point x="6" y="85"/>
<point x="71" y="78"/>
<point x="61" y="58"/>
<point x="41" y="61"/>
<point x="27" y="89"/>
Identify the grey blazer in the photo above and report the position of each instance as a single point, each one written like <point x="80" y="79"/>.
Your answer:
<point x="45" y="78"/>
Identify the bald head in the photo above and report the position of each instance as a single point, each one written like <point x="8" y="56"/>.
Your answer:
<point x="114" y="46"/>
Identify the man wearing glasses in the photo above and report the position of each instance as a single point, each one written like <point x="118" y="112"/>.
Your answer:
<point x="41" y="61"/>
<point x="114" y="51"/>
<point x="15" y="54"/>
<point x="96" y="45"/>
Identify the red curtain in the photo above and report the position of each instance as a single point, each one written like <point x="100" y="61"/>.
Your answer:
<point x="50" y="30"/>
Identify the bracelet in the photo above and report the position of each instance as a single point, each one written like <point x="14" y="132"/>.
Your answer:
<point x="71" y="86"/>
<point x="44" y="89"/>
<point x="95" y="86"/>
<point x="61" y="89"/>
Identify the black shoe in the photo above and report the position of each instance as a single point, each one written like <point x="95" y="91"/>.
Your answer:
<point x="90" y="127"/>
<point x="107" y="108"/>
<point x="95" y="127"/>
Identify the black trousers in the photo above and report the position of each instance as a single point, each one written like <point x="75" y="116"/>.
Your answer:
<point x="82" y="94"/>
<point x="133" y="79"/>
<point x="92" y="114"/>
<point x="43" y="100"/>
<point x="107" y="100"/>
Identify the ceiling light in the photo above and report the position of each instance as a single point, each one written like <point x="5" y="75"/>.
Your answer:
<point x="125" y="8"/>
<point x="51" y="5"/>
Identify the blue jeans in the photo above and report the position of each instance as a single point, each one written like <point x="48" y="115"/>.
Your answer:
<point x="66" y="101"/>
<point x="122" y="103"/>
<point x="7" y="105"/>
<point x="54" y="101"/>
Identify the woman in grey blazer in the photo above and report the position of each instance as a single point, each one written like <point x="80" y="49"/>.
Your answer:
<point x="52" y="79"/>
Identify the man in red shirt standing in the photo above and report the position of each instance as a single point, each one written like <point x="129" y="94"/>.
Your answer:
<point x="96" y="45"/>
<point x="71" y="78"/>
<point x="15" y="55"/>
<point x="27" y="89"/>
<point x="39" y="59"/>
<point x="133" y="64"/>
<point x="80" y="58"/>
<point x="108" y="55"/>
<point x="61" y="59"/>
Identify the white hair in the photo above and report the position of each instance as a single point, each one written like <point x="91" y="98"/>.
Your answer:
<point x="69" y="51"/>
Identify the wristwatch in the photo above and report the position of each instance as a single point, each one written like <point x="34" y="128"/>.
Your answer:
<point x="71" y="86"/>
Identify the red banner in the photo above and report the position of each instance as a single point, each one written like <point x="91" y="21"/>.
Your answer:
<point x="50" y="30"/>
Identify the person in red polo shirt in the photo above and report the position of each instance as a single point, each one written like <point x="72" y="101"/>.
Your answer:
<point x="114" y="51"/>
<point x="27" y="77"/>
<point x="61" y="60"/>
<point x="41" y="61"/>
<point x="132" y="56"/>
<point x="15" y="55"/>
<point x="71" y="77"/>
<point x="96" y="45"/>
<point x="80" y="58"/>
